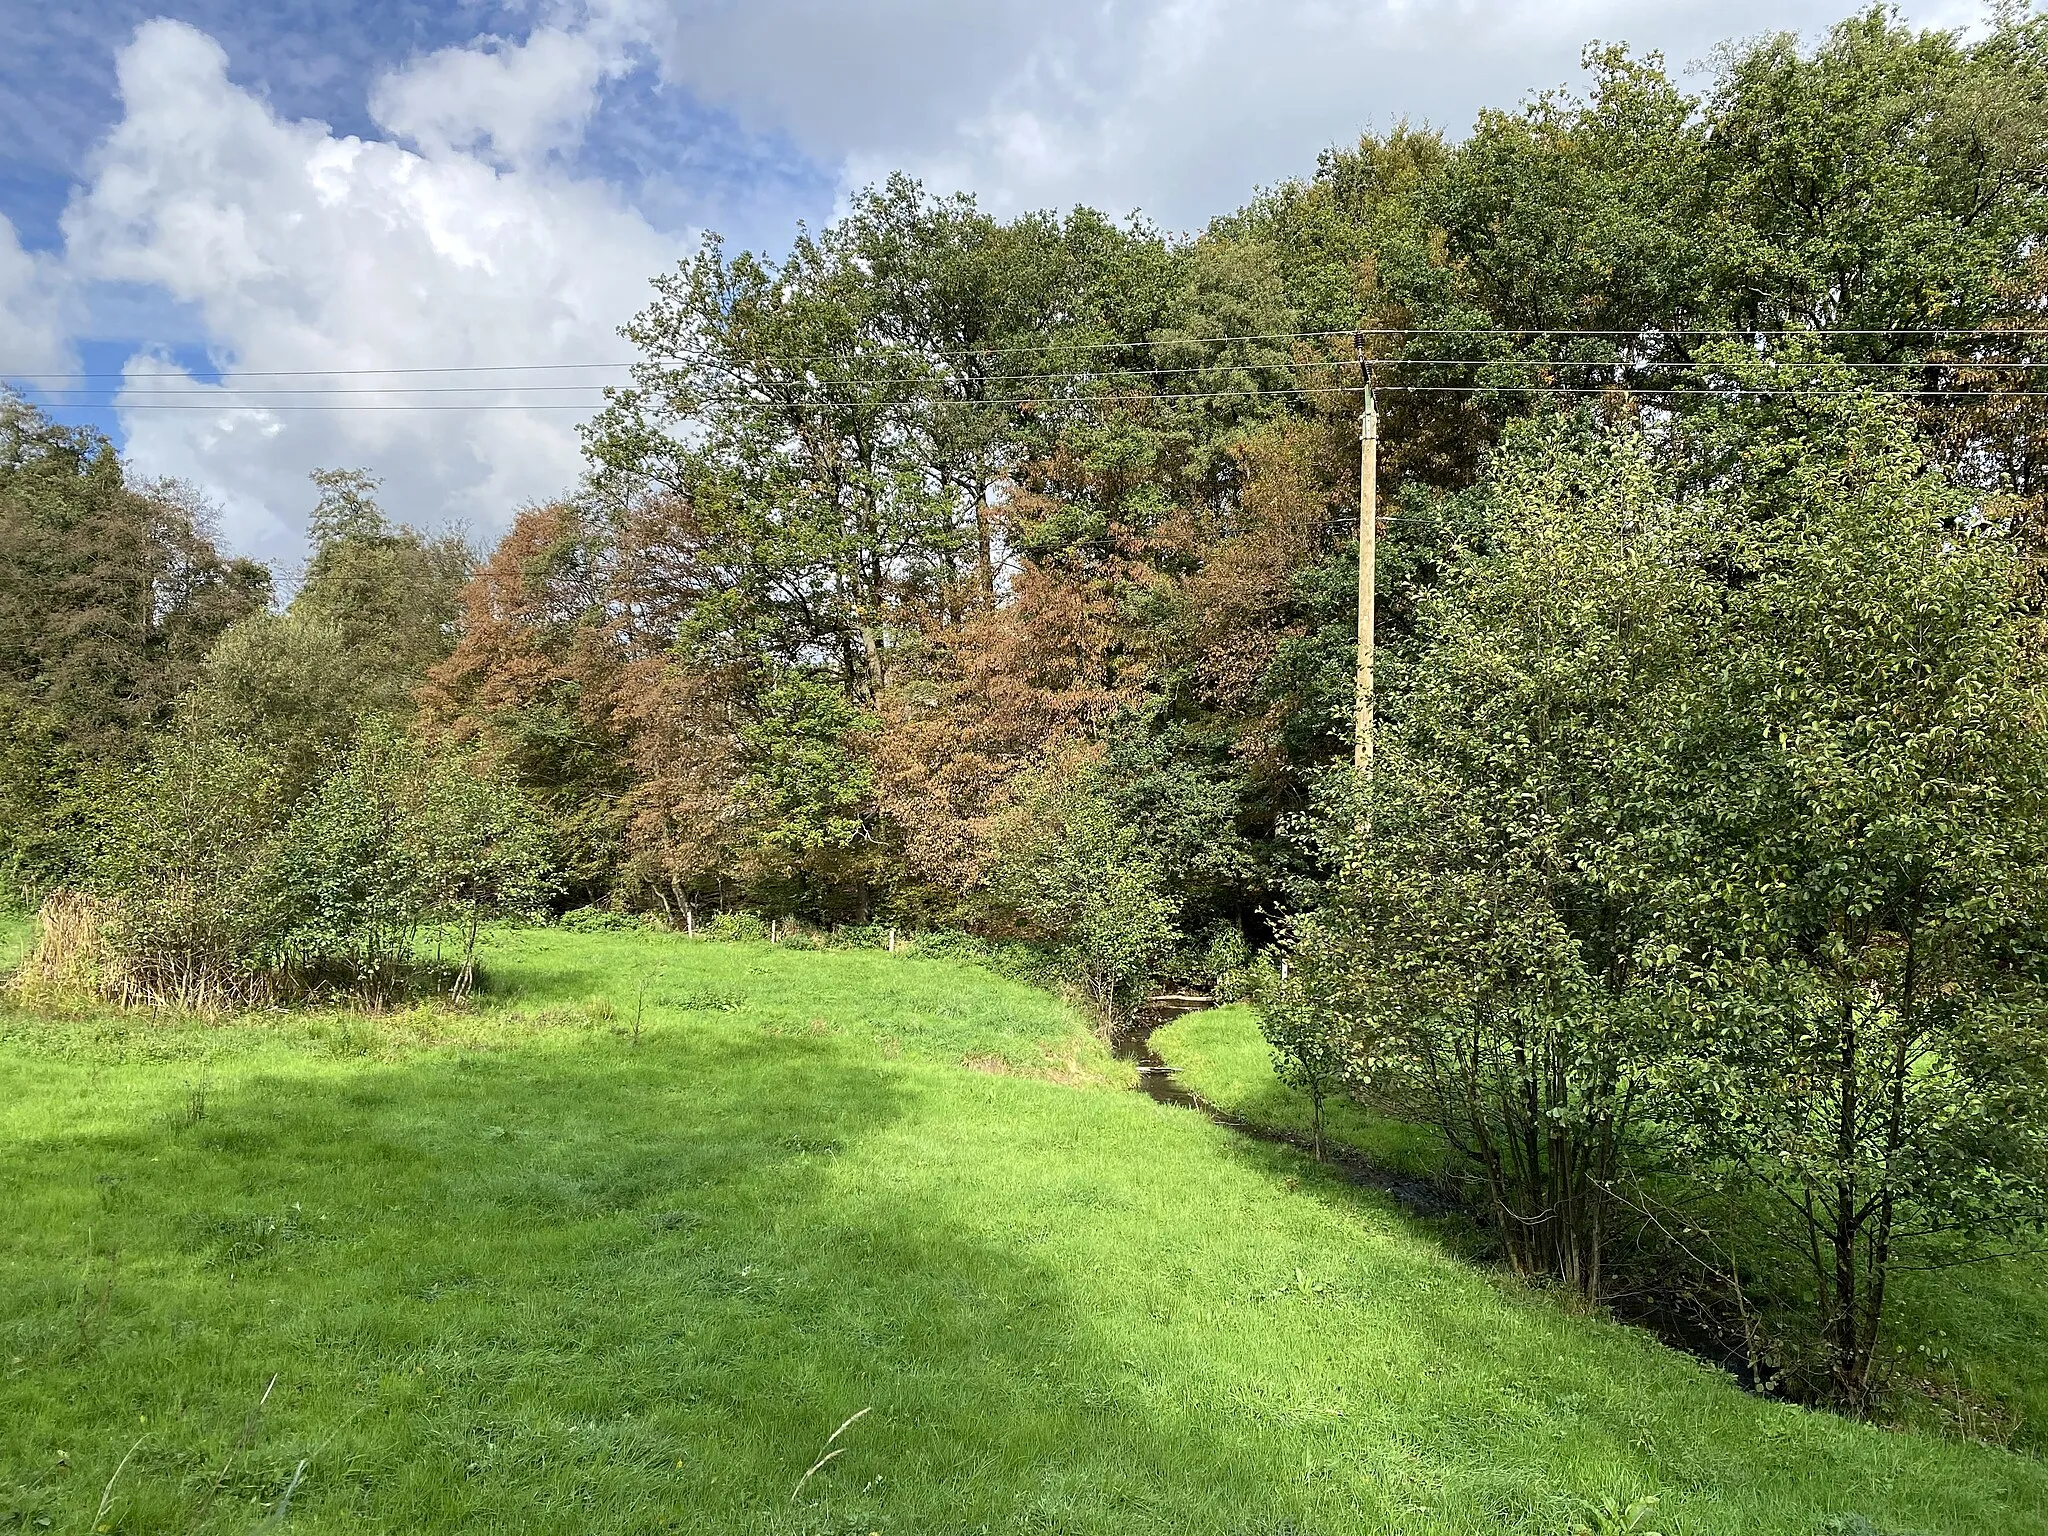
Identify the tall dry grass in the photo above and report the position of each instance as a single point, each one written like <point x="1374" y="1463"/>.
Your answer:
<point x="70" y="959"/>
<point x="75" y="959"/>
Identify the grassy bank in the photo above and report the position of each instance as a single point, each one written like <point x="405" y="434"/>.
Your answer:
<point x="1973" y="1340"/>
<point x="511" y="1271"/>
<point x="1220" y="1055"/>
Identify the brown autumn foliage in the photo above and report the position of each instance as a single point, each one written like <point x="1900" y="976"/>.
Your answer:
<point x="527" y="634"/>
<point x="684" y="830"/>
<point x="1006" y="689"/>
<point x="534" y="679"/>
<point x="1239" y="604"/>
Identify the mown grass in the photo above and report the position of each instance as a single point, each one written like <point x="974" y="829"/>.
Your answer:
<point x="1972" y="1355"/>
<point x="513" y="1272"/>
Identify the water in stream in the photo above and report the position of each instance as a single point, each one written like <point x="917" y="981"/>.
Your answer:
<point x="1159" y="1081"/>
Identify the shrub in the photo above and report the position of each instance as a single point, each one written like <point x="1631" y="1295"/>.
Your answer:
<point x="405" y="834"/>
<point x="604" y="920"/>
<point x="209" y="890"/>
<point x="1080" y="876"/>
<point x="183" y="875"/>
<point x="1316" y="1049"/>
<point x="738" y="928"/>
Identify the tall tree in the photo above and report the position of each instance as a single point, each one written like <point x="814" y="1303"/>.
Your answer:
<point x="111" y="593"/>
<point x="1850" y="857"/>
<point x="392" y="593"/>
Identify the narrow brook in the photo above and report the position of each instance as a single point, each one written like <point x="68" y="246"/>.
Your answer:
<point x="1159" y="1081"/>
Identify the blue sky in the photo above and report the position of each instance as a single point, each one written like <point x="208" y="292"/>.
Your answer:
<point x="205" y="204"/>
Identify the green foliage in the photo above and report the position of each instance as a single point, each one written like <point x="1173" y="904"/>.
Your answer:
<point x="1316" y="1049"/>
<point x="738" y="928"/>
<point x="481" y="850"/>
<point x="809" y="783"/>
<point x="110" y="593"/>
<point x="217" y="887"/>
<point x="603" y="920"/>
<point x="1479" y="931"/>
<point x="185" y="874"/>
<point x="284" y="688"/>
<point x="42" y="790"/>
<point x="1851" y="852"/>
<point x="1890" y="178"/>
<point x="403" y="835"/>
<point x="1716" y="815"/>
<point x="1086" y="879"/>
<point x="391" y="594"/>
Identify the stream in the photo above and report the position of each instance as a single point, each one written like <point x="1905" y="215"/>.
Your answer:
<point x="1663" y="1311"/>
<point x="1159" y="1080"/>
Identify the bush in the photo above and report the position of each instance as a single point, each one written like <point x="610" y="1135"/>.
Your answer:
<point x="861" y="936"/>
<point x="604" y="920"/>
<point x="405" y="834"/>
<point x="210" y="890"/>
<point x="737" y="928"/>
<point x="184" y="876"/>
<point x="1080" y="875"/>
<point x="1227" y="964"/>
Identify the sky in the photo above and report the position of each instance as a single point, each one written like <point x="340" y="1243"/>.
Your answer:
<point x="446" y="208"/>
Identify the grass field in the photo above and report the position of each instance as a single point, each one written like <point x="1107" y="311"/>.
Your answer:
<point x="511" y="1271"/>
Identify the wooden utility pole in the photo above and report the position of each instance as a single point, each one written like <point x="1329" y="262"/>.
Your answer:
<point x="1368" y="551"/>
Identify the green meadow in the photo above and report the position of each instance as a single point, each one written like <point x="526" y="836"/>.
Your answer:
<point x="620" y="1247"/>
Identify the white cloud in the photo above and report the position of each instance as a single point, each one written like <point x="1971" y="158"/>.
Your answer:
<point x="35" y="304"/>
<point x="523" y="99"/>
<point x="301" y="250"/>
<point x="468" y="239"/>
<point x="1179" y="107"/>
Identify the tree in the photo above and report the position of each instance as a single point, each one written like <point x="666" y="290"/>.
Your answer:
<point x="285" y="689"/>
<point x="1316" y="1048"/>
<point x="392" y="593"/>
<point x="352" y="883"/>
<point x="110" y="595"/>
<point x="482" y="847"/>
<point x="808" y="788"/>
<point x="1476" y="928"/>
<point x="1852" y="860"/>
<point x="536" y="680"/>
<point x="1082" y="877"/>
<point x="1887" y="181"/>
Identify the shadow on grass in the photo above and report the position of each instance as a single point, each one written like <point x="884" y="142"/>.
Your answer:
<point x="574" y="1285"/>
<point x="571" y="1287"/>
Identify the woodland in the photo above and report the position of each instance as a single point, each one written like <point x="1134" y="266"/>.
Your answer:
<point x="991" y="585"/>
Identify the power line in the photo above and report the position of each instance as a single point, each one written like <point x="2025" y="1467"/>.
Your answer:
<point x="1528" y="364"/>
<point x="1531" y="363"/>
<point x="1581" y="391"/>
<point x="1640" y="333"/>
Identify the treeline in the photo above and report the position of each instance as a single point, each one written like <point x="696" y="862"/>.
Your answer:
<point x="1699" y="894"/>
<point x="1000" y="575"/>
